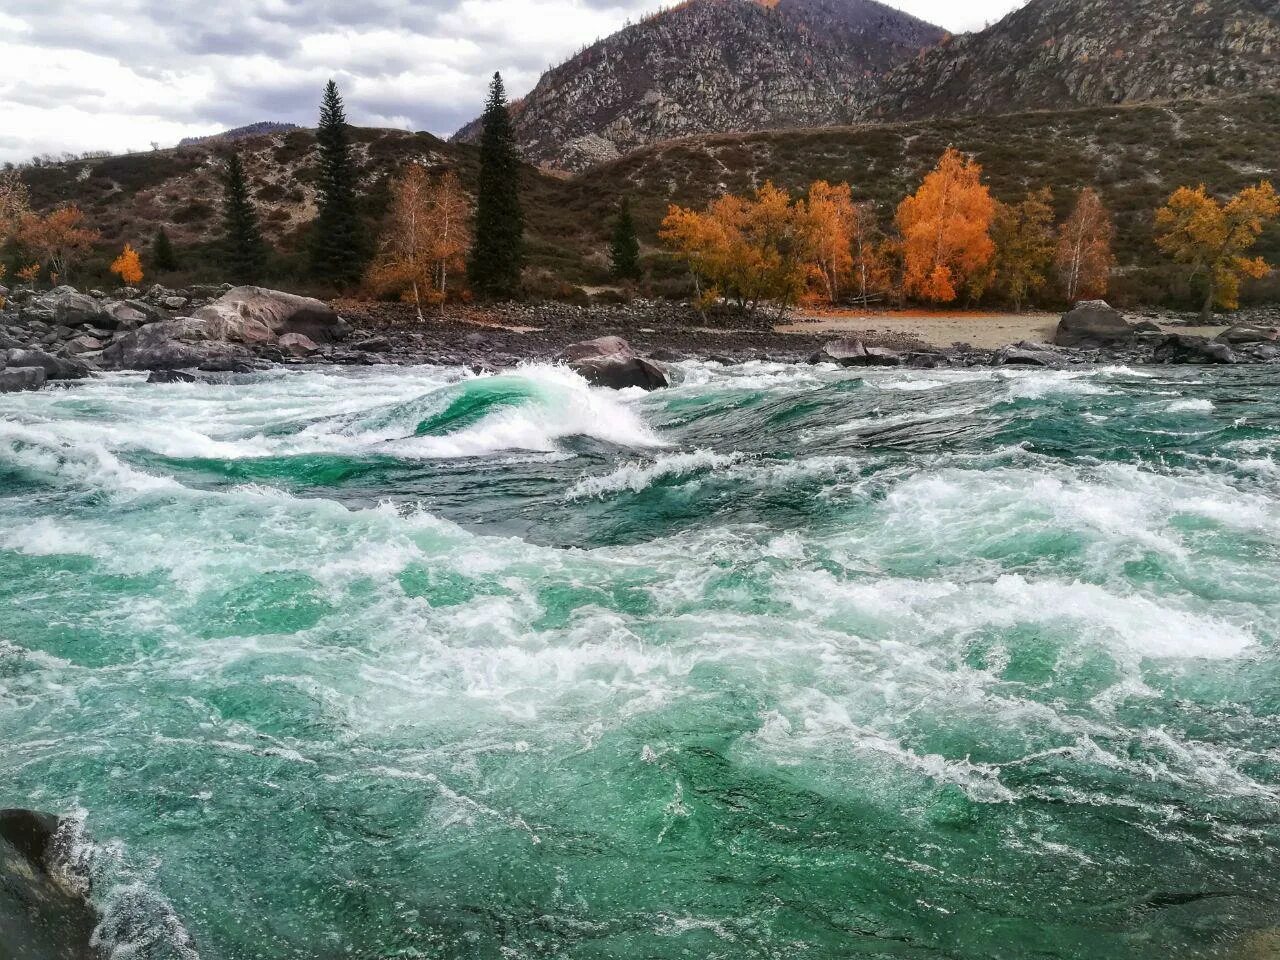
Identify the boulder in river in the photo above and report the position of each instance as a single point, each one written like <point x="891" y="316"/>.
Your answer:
<point x="1028" y="355"/>
<point x="1179" y="348"/>
<point x="14" y="379"/>
<point x="298" y="345"/>
<point x="610" y="362"/>
<point x="174" y="345"/>
<point x="1093" y="323"/>
<point x="848" y="352"/>
<point x="55" y="368"/>
<point x="43" y="916"/>
<point x="259" y="315"/>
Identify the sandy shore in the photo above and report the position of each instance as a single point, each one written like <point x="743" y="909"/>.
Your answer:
<point x="987" y="331"/>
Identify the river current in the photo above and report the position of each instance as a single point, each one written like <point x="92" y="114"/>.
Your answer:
<point x="783" y="662"/>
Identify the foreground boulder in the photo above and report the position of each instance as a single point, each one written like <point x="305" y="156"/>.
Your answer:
<point x="175" y="345"/>
<point x="1026" y="354"/>
<point x="43" y="916"/>
<point x="1177" y="348"/>
<point x="13" y="379"/>
<point x="1093" y="323"/>
<point x="55" y="368"/>
<point x="259" y="315"/>
<point x="854" y="353"/>
<point x="610" y="362"/>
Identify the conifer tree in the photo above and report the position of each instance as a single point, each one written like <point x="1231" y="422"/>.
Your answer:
<point x="162" y="253"/>
<point x="338" y="247"/>
<point x="244" y="252"/>
<point x="497" y="251"/>
<point x="624" y="251"/>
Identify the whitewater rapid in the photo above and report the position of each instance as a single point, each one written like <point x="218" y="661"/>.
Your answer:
<point x="783" y="661"/>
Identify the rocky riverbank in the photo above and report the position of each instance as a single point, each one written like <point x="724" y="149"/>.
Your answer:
<point x="65" y="335"/>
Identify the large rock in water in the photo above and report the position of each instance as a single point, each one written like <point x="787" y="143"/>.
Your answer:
<point x="1177" y="348"/>
<point x="55" y="368"/>
<point x="174" y="345"/>
<point x="854" y="353"/>
<point x="259" y="315"/>
<point x="14" y="379"/>
<point x="42" y="914"/>
<point x="610" y="362"/>
<point x="1093" y="323"/>
<point x="1247" y="333"/>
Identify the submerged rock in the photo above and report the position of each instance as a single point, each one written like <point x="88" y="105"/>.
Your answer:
<point x="1093" y="323"/>
<point x="42" y="915"/>
<point x="610" y="362"/>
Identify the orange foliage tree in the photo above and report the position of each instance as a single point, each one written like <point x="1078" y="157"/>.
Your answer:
<point x="1212" y="238"/>
<point x="425" y="238"/>
<point x="128" y="266"/>
<point x="58" y="240"/>
<point x="832" y="218"/>
<point x="748" y="250"/>
<point x="946" y="232"/>
<point x="1083" y="256"/>
<point x="1023" y="235"/>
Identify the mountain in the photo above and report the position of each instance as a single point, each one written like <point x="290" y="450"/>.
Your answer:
<point x="714" y="66"/>
<point x="1059" y="54"/>
<point x="241" y="133"/>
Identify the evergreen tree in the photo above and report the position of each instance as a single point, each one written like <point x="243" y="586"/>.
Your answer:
<point x="624" y="251"/>
<point x="163" y="256"/>
<point x="338" y="249"/>
<point x="497" y="252"/>
<point x="244" y="252"/>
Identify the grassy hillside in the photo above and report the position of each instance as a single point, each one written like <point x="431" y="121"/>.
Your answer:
<point x="1135" y="155"/>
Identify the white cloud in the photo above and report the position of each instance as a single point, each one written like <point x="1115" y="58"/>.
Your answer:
<point x="77" y="75"/>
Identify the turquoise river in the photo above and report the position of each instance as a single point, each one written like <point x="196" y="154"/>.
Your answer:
<point x="783" y="662"/>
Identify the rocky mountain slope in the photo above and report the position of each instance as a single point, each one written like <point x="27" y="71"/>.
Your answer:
<point x="714" y="66"/>
<point x="1058" y="54"/>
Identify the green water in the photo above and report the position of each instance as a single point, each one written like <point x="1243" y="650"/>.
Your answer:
<point x="782" y="662"/>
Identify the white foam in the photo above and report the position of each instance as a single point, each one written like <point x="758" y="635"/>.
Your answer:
<point x="637" y="476"/>
<point x="1191" y="406"/>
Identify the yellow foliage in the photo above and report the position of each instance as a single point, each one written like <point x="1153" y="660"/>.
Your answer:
<point x="128" y="266"/>
<point x="1023" y="236"/>
<point x="1083" y="256"/>
<point x="946" y="232"/>
<point x="1212" y="237"/>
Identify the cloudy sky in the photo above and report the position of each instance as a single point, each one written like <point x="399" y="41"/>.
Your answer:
<point x="115" y="75"/>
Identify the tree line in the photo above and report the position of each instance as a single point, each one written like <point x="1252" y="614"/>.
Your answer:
<point x="951" y="241"/>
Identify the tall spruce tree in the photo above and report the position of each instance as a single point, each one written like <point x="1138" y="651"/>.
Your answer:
<point x="338" y="249"/>
<point x="244" y="253"/>
<point x="163" y="256"/>
<point x="497" y="252"/>
<point x="624" y="250"/>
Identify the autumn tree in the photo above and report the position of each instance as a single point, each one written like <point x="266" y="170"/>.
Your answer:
<point x="832" y="221"/>
<point x="57" y="241"/>
<point x="338" y="250"/>
<point x="15" y="204"/>
<point x="1083" y="257"/>
<point x="128" y="266"/>
<point x="425" y="238"/>
<point x="624" y="248"/>
<point x="870" y="251"/>
<point x="1024" y="240"/>
<point x="244" y="252"/>
<point x="163" y="256"/>
<point x="1212" y="238"/>
<point x="946" y="231"/>
<point x="497" y="251"/>
<point x="748" y="250"/>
